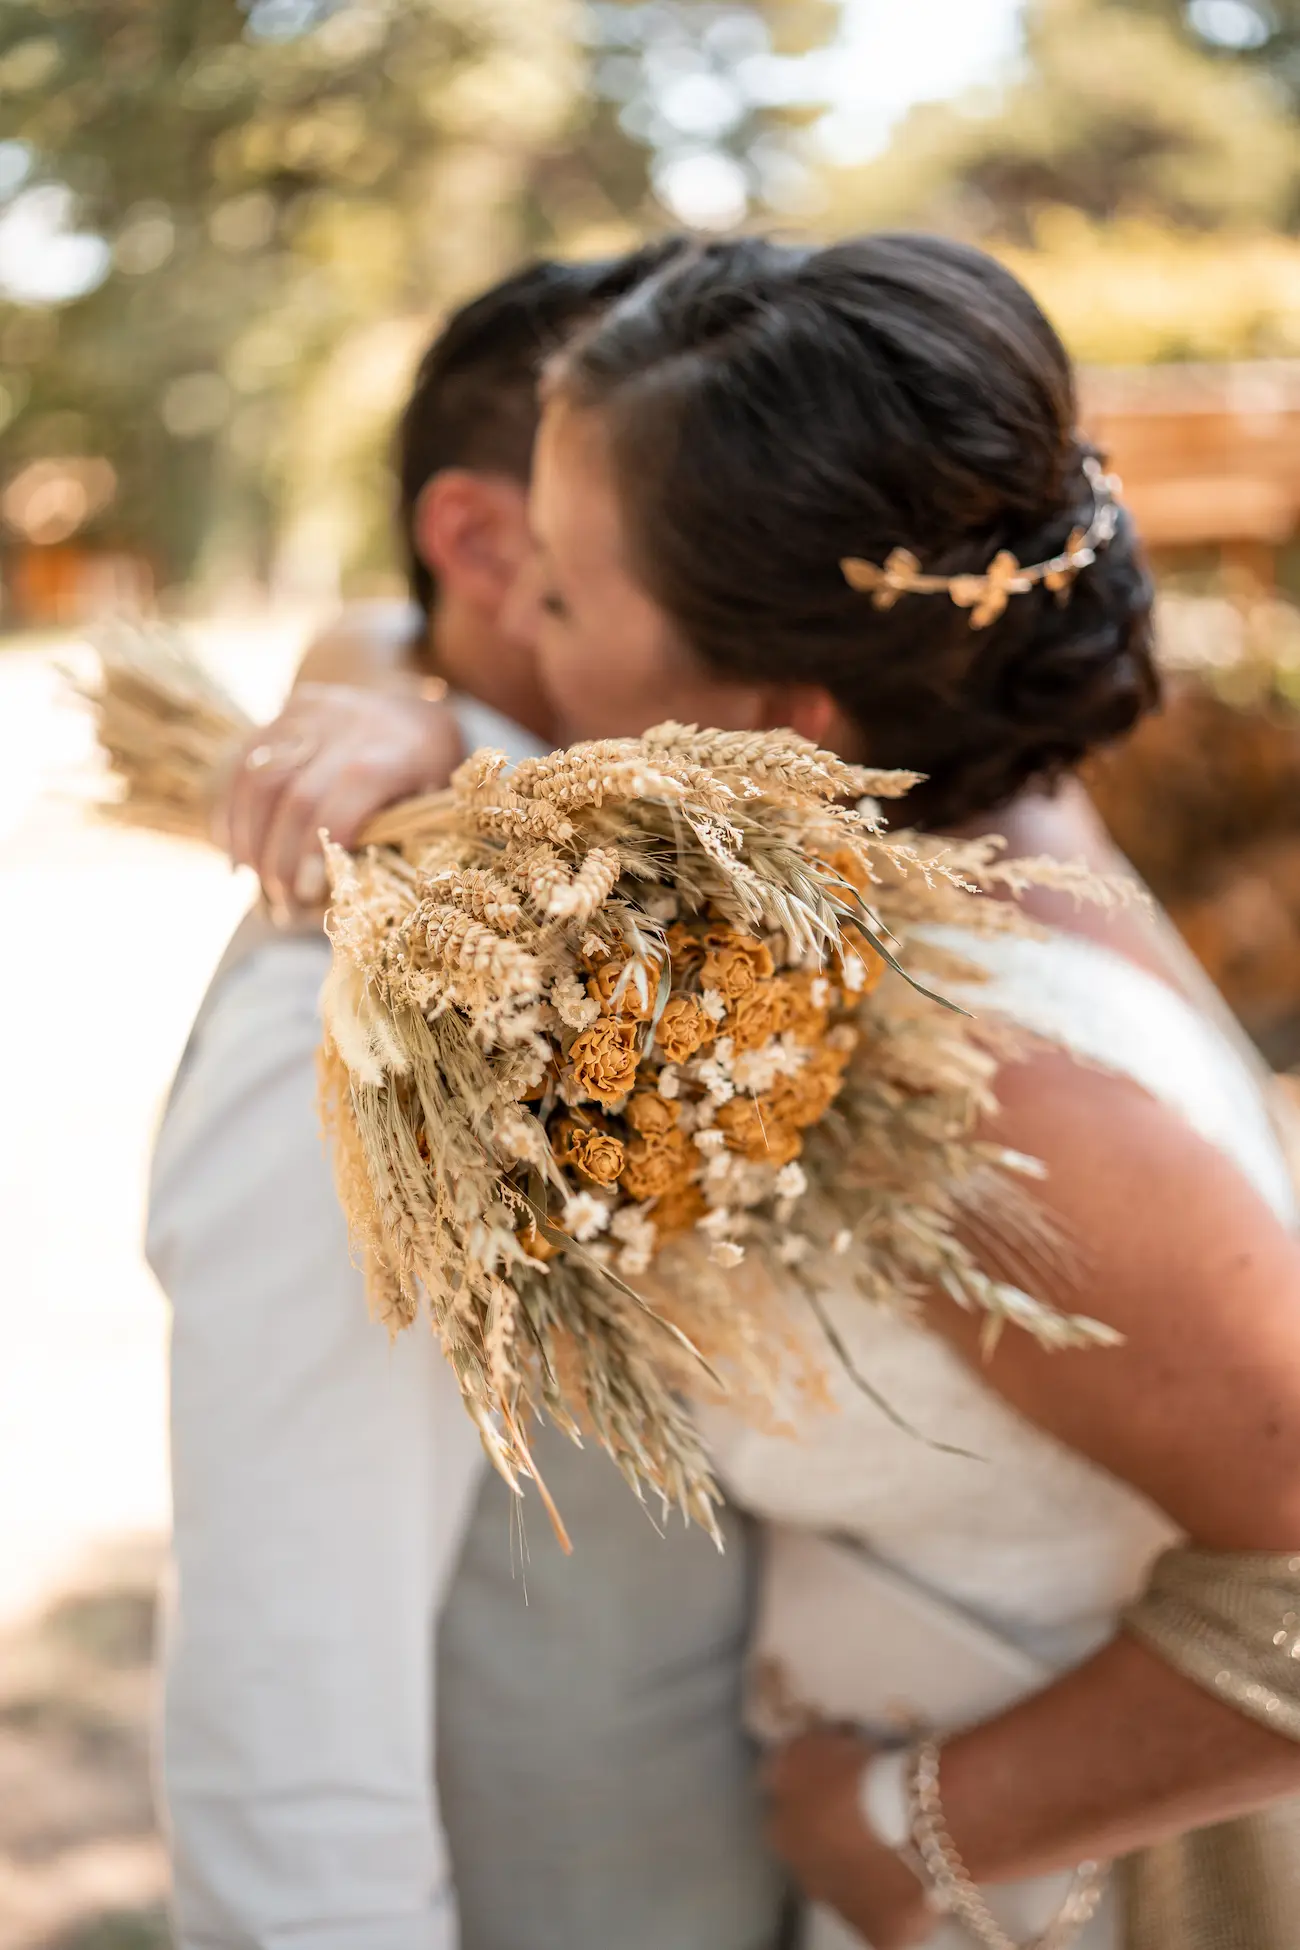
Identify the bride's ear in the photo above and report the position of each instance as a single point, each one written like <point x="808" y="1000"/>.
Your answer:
<point x="805" y="708"/>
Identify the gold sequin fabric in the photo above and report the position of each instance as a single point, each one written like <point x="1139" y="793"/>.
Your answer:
<point x="1234" y="1887"/>
<point x="1230" y="1621"/>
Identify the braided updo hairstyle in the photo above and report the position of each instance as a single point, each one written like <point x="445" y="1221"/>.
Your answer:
<point x="771" y="410"/>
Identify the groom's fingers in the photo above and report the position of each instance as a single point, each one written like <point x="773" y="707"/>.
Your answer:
<point x="254" y="795"/>
<point x="289" y="860"/>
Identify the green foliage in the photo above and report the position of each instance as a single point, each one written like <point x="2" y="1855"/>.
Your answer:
<point x="266" y="201"/>
<point x="1116" y="112"/>
<point x="1262" y="34"/>
<point x="269" y="180"/>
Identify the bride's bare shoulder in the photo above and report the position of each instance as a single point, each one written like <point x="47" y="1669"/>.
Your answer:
<point x="1167" y="1242"/>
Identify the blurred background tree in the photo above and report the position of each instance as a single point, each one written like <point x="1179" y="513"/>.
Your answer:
<point x="1263" y="34"/>
<point x="1140" y="168"/>
<point x="224" y="229"/>
<point x="227" y="225"/>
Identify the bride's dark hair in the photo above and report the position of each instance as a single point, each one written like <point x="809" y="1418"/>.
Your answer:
<point x="772" y="410"/>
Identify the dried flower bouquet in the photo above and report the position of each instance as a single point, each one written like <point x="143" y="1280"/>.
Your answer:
<point x="623" y="1074"/>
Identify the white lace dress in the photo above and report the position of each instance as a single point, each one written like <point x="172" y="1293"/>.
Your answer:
<point x="1030" y="1539"/>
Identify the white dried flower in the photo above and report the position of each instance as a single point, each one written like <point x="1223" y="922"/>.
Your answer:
<point x="714" y="1004"/>
<point x="819" y="993"/>
<point x="519" y="1136"/>
<point x="855" y="974"/>
<point x="793" y="1249"/>
<point x="718" y="1222"/>
<point x="522" y="1071"/>
<point x="736" y="1182"/>
<point x="710" y="1141"/>
<point x="841" y="1242"/>
<point x="756" y="1070"/>
<point x="572" y="1004"/>
<point x="635" y="1227"/>
<point x="725" y="1252"/>
<point x="670" y="1082"/>
<point x="791" y="1181"/>
<point x="585" y="1217"/>
<point x="715" y="1080"/>
<point x="633" y="1261"/>
<point x="789" y="1056"/>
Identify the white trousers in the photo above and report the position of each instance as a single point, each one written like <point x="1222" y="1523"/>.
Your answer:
<point x="321" y="1482"/>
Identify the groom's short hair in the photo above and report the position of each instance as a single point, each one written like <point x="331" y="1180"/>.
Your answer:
<point x="474" y="401"/>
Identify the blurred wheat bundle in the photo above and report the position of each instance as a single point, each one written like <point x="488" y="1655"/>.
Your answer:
<point x="623" y="1072"/>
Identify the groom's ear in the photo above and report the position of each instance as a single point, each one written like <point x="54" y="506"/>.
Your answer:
<point x="471" y="532"/>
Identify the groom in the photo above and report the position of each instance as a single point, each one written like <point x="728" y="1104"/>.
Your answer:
<point x="592" y="1783"/>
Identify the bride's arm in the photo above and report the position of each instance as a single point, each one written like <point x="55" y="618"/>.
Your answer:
<point x="1200" y="1411"/>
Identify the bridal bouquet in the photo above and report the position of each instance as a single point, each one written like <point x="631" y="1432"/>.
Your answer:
<point x="630" y="1058"/>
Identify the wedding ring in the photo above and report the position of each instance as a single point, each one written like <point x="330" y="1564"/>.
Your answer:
<point x="295" y="751"/>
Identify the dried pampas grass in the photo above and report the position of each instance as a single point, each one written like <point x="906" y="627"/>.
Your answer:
<point x="624" y="1074"/>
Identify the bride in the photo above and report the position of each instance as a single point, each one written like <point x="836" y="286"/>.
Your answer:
<point x="1114" y="1534"/>
<point x="711" y="452"/>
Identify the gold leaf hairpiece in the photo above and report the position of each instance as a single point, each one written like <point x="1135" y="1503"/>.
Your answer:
<point x="986" y="595"/>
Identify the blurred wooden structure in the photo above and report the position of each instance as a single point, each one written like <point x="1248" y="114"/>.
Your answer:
<point x="1209" y="457"/>
<point x="70" y="583"/>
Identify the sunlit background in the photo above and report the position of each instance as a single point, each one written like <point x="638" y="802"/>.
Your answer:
<point x="226" y="230"/>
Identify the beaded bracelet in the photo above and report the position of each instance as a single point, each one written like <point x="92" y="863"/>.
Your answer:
<point x="950" y="1884"/>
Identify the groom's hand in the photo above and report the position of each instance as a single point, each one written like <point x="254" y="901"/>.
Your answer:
<point x="815" y="1825"/>
<point x="336" y="756"/>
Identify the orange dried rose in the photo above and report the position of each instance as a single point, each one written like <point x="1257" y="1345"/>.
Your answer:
<point x="660" y="1164"/>
<point x="603" y="1061"/>
<point x="650" y="1115"/>
<point x="628" y="1004"/>
<point x="735" y="962"/>
<point x="686" y="952"/>
<point x="754" y="1016"/>
<point x="753" y="1127"/>
<point x="805" y="1098"/>
<point x="784" y="1144"/>
<point x="683" y="1028"/>
<point x="535" y="1243"/>
<point x="598" y="1155"/>
<point x="678" y="1211"/>
<point x="805" y="1018"/>
<point x="848" y="864"/>
<point x="741" y="1122"/>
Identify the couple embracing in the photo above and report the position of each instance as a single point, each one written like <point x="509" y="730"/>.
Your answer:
<point x="1082" y="1568"/>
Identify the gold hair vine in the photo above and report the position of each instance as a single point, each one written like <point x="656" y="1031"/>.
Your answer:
<point x="987" y="595"/>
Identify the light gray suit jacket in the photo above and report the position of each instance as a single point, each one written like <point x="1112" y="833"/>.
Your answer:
<point x="596" y="1790"/>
